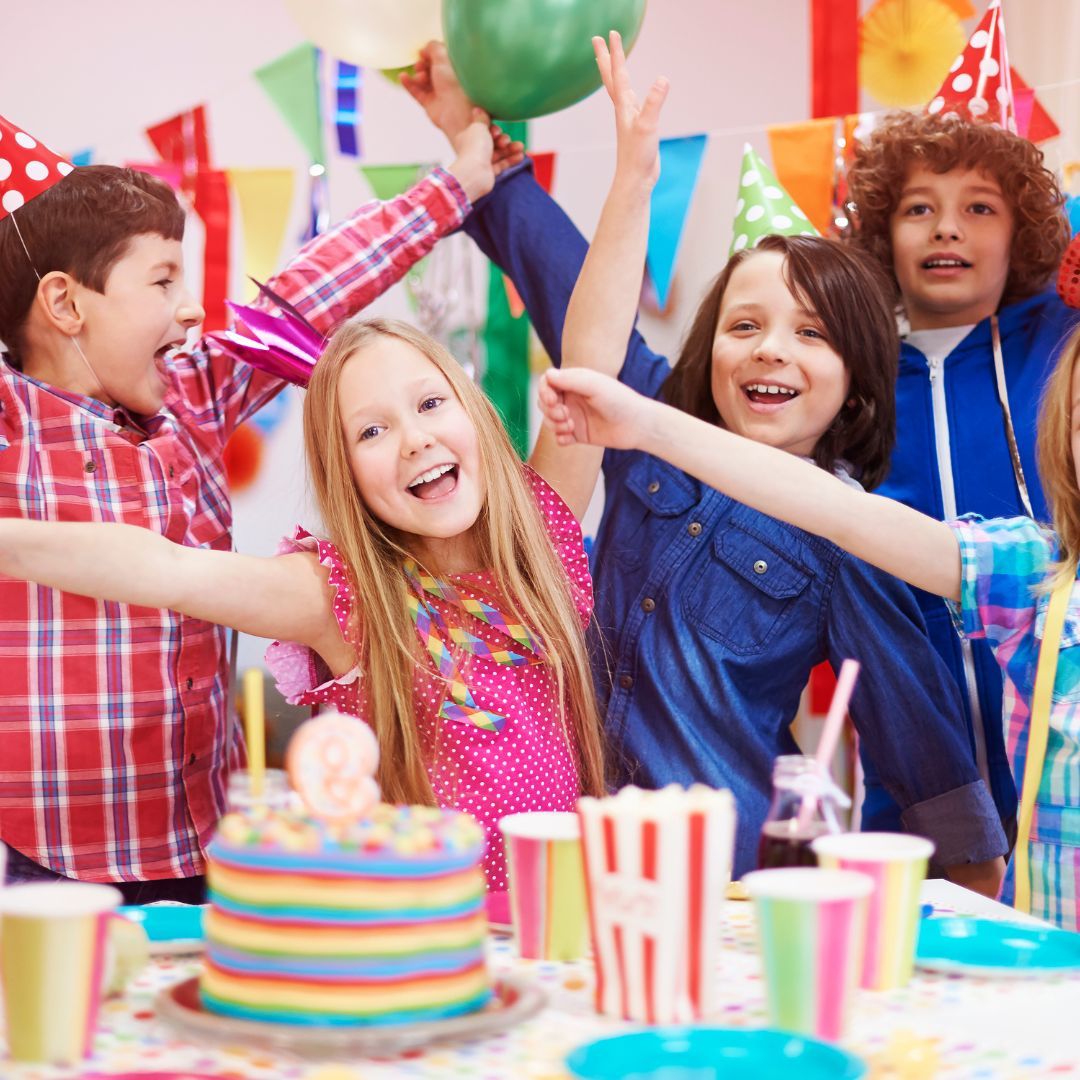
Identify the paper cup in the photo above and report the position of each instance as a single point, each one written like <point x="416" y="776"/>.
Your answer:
<point x="810" y="929"/>
<point x="52" y="954"/>
<point x="657" y="864"/>
<point x="897" y="864"/>
<point x="547" y="885"/>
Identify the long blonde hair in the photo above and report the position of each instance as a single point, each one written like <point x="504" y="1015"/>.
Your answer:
<point x="512" y="541"/>
<point x="1057" y="467"/>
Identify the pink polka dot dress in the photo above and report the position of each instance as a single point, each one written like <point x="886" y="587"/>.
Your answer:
<point x="529" y="765"/>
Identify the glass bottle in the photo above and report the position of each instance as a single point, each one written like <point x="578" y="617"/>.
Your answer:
<point x="276" y="794"/>
<point x="804" y="805"/>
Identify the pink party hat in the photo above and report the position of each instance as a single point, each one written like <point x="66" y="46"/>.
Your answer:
<point x="27" y="167"/>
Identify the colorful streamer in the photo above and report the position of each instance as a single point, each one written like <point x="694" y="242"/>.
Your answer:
<point x="348" y="87"/>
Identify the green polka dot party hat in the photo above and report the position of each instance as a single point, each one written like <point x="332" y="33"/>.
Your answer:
<point x="764" y="207"/>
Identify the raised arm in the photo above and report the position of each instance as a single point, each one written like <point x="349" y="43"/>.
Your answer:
<point x="285" y="597"/>
<point x="583" y="406"/>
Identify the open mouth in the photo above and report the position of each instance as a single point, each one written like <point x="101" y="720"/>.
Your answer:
<point x="435" y="482"/>
<point x="769" y="393"/>
<point x="946" y="262"/>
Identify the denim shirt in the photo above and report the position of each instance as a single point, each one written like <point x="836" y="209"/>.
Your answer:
<point x="710" y="615"/>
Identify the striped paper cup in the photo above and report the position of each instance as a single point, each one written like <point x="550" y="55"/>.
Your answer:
<point x="52" y="955"/>
<point x="547" y="884"/>
<point x="657" y="864"/>
<point x="810" y="929"/>
<point x="897" y="864"/>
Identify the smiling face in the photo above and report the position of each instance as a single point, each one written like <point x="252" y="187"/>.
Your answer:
<point x="951" y="239"/>
<point x="413" y="451"/>
<point x="145" y="310"/>
<point x="775" y="377"/>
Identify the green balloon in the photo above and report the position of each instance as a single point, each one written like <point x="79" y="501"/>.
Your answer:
<point x="523" y="58"/>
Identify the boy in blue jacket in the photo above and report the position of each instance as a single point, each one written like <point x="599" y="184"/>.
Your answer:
<point x="968" y="222"/>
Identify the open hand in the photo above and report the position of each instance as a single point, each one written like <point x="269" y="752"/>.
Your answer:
<point x="582" y="406"/>
<point x="636" y="126"/>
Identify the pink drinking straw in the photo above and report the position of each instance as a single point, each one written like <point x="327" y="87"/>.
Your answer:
<point x="830" y="734"/>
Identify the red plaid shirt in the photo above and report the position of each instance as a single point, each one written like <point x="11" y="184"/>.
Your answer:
<point x="112" y="717"/>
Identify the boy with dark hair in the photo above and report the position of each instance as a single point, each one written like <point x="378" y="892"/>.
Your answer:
<point x="112" y="718"/>
<point x="968" y="222"/>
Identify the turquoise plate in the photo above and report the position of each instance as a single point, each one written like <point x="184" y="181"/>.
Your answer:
<point x="988" y="947"/>
<point x="705" y="1053"/>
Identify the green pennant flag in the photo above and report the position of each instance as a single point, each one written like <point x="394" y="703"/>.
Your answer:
<point x="292" y="84"/>
<point x="389" y="181"/>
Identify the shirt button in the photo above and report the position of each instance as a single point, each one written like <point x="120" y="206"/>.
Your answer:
<point x="654" y="487"/>
<point x="648" y="604"/>
<point x="172" y="472"/>
<point x="89" y="467"/>
<point x="760" y="566"/>
<point x="191" y="760"/>
<point x="625" y="681"/>
<point x="694" y="528"/>
<point x="190" y="683"/>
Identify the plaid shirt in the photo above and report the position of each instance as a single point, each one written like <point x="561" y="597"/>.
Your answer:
<point x="112" y="732"/>
<point x="1003" y="562"/>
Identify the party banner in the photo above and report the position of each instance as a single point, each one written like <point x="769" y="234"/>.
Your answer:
<point x="680" y="162"/>
<point x="506" y="346"/>
<point x="82" y="157"/>
<point x="803" y="157"/>
<point x="292" y="84"/>
<point x="390" y="181"/>
<point x="348" y="89"/>
<point x="264" y="197"/>
<point x="834" y="28"/>
<point x="212" y="205"/>
<point x="182" y="140"/>
<point x="1040" y="125"/>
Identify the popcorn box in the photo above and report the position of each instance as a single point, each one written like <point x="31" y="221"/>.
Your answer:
<point x="656" y="865"/>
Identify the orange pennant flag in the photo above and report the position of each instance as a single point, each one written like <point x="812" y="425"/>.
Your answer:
<point x="803" y="157"/>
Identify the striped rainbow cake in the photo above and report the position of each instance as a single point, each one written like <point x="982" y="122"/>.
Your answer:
<point x="375" y="921"/>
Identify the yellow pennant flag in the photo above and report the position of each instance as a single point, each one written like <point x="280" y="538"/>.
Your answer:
<point x="265" y="199"/>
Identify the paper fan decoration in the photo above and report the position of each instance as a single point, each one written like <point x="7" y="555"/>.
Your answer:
<point x="905" y="48"/>
<point x="964" y="9"/>
<point x="764" y="207"/>
<point x="979" y="83"/>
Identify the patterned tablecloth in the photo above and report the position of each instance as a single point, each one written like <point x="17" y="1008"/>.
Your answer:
<point x="938" y="1026"/>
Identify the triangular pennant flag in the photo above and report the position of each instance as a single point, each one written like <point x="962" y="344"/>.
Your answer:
<point x="1041" y="124"/>
<point x="680" y="162"/>
<point x="83" y="157"/>
<point x="182" y="141"/>
<point x="764" y="208"/>
<point x="169" y="173"/>
<point x="27" y="167"/>
<point x="979" y="83"/>
<point x="805" y="158"/>
<point x="292" y="83"/>
<point x="544" y="169"/>
<point x="265" y="198"/>
<point x="389" y="181"/>
<point x="1072" y="212"/>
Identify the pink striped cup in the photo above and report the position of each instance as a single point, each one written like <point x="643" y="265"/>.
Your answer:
<point x="897" y="864"/>
<point x="810" y="929"/>
<point x="547" y="884"/>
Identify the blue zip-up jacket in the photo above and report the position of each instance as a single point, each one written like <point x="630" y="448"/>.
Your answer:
<point x="711" y="615"/>
<point x="1032" y="333"/>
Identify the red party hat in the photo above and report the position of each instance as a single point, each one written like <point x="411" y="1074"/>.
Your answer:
<point x="27" y="167"/>
<point x="979" y="84"/>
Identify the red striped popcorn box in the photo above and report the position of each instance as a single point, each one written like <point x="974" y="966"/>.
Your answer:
<point x="656" y="867"/>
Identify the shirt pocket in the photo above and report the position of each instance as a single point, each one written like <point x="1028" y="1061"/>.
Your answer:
<point x="92" y="485"/>
<point x="652" y="493"/>
<point x="744" y="591"/>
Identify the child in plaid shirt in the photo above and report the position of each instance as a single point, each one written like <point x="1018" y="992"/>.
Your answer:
<point x="112" y="714"/>
<point x="996" y="573"/>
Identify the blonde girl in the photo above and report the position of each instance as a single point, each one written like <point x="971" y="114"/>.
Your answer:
<point x="446" y="606"/>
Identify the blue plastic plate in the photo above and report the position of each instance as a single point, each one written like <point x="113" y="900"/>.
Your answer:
<point x="708" y="1053"/>
<point x="988" y="947"/>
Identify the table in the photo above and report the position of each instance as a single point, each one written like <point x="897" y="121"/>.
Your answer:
<point x="938" y="1026"/>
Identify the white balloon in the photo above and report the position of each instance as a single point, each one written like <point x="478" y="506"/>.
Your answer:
<point x="373" y="33"/>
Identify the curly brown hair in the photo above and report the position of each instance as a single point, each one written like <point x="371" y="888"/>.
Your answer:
<point x="944" y="142"/>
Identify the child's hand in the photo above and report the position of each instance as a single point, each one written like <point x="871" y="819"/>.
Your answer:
<point x="582" y="406"/>
<point x="636" y="126"/>
<point x="483" y="152"/>
<point x="435" y="86"/>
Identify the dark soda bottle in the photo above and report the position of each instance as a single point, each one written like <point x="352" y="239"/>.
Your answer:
<point x="803" y="808"/>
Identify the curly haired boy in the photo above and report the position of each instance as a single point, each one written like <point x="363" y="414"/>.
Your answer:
<point x="968" y="221"/>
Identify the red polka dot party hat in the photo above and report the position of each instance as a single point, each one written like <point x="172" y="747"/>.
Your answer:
<point x="27" y="167"/>
<point x="979" y="84"/>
